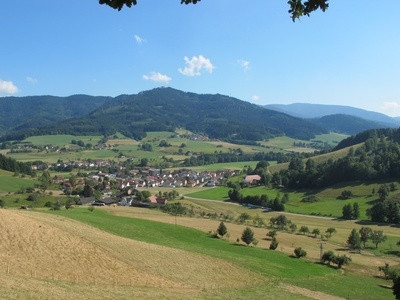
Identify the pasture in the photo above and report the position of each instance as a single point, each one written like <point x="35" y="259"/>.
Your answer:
<point x="10" y="183"/>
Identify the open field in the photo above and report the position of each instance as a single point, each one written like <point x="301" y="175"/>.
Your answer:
<point x="140" y="252"/>
<point x="9" y="183"/>
<point x="123" y="146"/>
<point x="61" y="140"/>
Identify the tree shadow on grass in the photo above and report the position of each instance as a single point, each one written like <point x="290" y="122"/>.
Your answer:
<point x="393" y="252"/>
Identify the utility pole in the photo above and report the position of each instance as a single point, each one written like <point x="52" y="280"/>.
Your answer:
<point x="321" y="249"/>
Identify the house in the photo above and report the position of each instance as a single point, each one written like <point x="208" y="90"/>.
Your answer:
<point x="251" y="179"/>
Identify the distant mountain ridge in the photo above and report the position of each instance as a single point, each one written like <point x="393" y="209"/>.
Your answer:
<point x="312" y="111"/>
<point x="165" y="109"/>
<point x="18" y="113"/>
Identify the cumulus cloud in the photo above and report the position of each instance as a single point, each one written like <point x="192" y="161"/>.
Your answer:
<point x="158" y="77"/>
<point x="31" y="80"/>
<point x="195" y="65"/>
<point x="139" y="39"/>
<point x="391" y="108"/>
<point x="7" y="87"/>
<point x="245" y="64"/>
<point x="255" y="98"/>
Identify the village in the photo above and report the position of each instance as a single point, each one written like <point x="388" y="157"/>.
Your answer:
<point x="120" y="188"/>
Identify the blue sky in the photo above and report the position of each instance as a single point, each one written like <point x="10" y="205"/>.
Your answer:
<point x="251" y="50"/>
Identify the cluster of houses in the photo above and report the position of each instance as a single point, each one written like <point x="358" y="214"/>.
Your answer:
<point x="129" y="182"/>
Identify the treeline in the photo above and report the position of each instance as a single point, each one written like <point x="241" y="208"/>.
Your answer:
<point x="214" y="158"/>
<point x="10" y="164"/>
<point x="378" y="158"/>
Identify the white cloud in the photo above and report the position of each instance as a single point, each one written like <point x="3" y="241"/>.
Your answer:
<point x="194" y="66"/>
<point x="158" y="77"/>
<point x="391" y="108"/>
<point x="245" y="64"/>
<point x="31" y="80"/>
<point x="7" y="87"/>
<point x="138" y="39"/>
<point x="255" y="98"/>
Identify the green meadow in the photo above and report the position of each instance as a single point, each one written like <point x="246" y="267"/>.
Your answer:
<point x="271" y="265"/>
<point x="10" y="183"/>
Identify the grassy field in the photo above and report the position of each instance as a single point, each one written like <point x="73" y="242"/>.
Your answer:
<point x="120" y="253"/>
<point x="328" y="204"/>
<point x="122" y="146"/>
<point x="60" y="140"/>
<point x="269" y="265"/>
<point x="9" y="183"/>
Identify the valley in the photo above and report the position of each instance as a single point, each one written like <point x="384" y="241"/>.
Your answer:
<point x="161" y="197"/>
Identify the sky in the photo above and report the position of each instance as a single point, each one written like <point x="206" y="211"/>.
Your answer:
<point x="250" y="50"/>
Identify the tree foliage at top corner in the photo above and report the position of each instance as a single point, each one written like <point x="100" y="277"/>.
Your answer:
<point x="298" y="8"/>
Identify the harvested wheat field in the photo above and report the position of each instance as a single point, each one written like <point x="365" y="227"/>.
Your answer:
<point x="37" y="248"/>
<point x="287" y="241"/>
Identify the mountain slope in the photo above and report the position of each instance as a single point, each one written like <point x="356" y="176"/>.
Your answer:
<point x="346" y="124"/>
<point x="18" y="113"/>
<point x="308" y="111"/>
<point x="164" y="109"/>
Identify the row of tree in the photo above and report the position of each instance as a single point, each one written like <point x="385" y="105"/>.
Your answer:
<point x="10" y="164"/>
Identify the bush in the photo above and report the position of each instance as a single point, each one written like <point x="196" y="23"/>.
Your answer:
<point x="274" y="244"/>
<point x="310" y="199"/>
<point x="300" y="252"/>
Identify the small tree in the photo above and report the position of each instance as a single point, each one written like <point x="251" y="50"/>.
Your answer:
<point x="91" y="208"/>
<point x="354" y="241"/>
<point x="243" y="218"/>
<point x="280" y="221"/>
<point x="272" y="233"/>
<point x="274" y="244"/>
<point x="293" y="228"/>
<point x="341" y="260"/>
<point x="355" y="214"/>
<point x="222" y="230"/>
<point x="347" y="212"/>
<point x="247" y="236"/>
<point x="300" y="252"/>
<point x="378" y="237"/>
<point x="365" y="234"/>
<point x="304" y="229"/>
<point x="330" y="230"/>
<point x="328" y="257"/>
<point x="315" y="232"/>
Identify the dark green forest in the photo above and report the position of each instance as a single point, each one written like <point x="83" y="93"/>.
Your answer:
<point x="377" y="158"/>
<point x="165" y="109"/>
<point x="10" y="164"/>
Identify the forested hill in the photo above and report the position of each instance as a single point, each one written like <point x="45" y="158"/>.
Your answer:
<point x="390" y="134"/>
<point x="18" y="113"/>
<point x="347" y="124"/>
<point x="164" y="109"/>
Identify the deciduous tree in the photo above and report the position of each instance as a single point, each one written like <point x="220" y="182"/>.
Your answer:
<point x="300" y="252"/>
<point x="365" y="234"/>
<point x="297" y="8"/>
<point x="378" y="237"/>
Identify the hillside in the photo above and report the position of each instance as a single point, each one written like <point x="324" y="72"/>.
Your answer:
<point x="309" y="111"/>
<point x="165" y="109"/>
<point x="346" y="124"/>
<point x="18" y="113"/>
